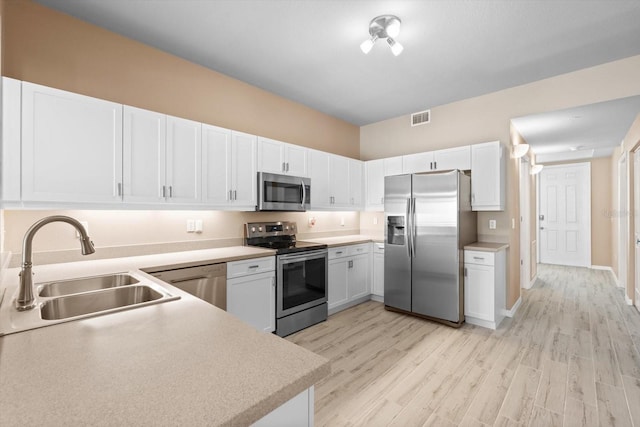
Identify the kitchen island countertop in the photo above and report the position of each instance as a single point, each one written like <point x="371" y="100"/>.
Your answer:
<point x="181" y="362"/>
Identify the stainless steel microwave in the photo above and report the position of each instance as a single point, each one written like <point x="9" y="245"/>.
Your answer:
<point x="283" y="192"/>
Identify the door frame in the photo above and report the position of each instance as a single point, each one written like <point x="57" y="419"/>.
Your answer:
<point x="525" y="221"/>
<point x="587" y="184"/>
<point x="623" y="220"/>
<point x="636" y="236"/>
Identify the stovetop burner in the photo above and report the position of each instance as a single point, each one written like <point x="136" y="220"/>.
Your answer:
<point x="279" y="236"/>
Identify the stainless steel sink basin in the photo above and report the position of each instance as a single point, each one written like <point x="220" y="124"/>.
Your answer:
<point x="75" y="299"/>
<point x="86" y="284"/>
<point x="94" y="302"/>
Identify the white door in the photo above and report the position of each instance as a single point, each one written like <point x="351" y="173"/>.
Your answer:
<point x="244" y="169"/>
<point x="636" y="204"/>
<point x="419" y="162"/>
<point x="319" y="173"/>
<point x="271" y="156"/>
<point x="378" y="273"/>
<point x="565" y="215"/>
<point x="253" y="299"/>
<point x="623" y="221"/>
<point x="525" y="238"/>
<point x="296" y="160"/>
<point x="184" y="160"/>
<point x="453" y="158"/>
<point x="339" y="181"/>
<point x="479" y="292"/>
<point x="71" y="146"/>
<point x="355" y="183"/>
<point x="338" y="278"/>
<point x="358" y="280"/>
<point x="216" y="165"/>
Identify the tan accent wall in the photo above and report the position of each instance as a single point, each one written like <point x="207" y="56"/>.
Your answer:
<point x="615" y="214"/>
<point x="50" y="48"/>
<point x="487" y="118"/>
<point x="602" y="205"/>
<point x="630" y="144"/>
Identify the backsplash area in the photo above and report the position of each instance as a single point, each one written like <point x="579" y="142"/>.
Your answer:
<point x="131" y="233"/>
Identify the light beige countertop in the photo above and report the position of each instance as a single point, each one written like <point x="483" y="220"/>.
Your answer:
<point x="487" y="246"/>
<point x="181" y="362"/>
<point x="353" y="239"/>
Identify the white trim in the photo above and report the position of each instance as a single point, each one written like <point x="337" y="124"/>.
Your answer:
<point x="533" y="280"/>
<point x="637" y="299"/>
<point x="627" y="299"/>
<point x="602" y="267"/>
<point x="377" y="298"/>
<point x="512" y="311"/>
<point x="623" y="221"/>
<point x="480" y="322"/>
<point x="524" y="179"/>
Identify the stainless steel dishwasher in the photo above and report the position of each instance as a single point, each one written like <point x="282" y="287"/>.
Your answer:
<point x="207" y="282"/>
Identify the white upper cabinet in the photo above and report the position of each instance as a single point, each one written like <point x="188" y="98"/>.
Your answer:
<point x="282" y="158"/>
<point x="487" y="177"/>
<point x="355" y="184"/>
<point x="228" y="168"/>
<point x="162" y="158"/>
<point x="184" y="145"/>
<point x="375" y="171"/>
<point x="71" y="146"/>
<point x="440" y="160"/>
<point x="393" y="166"/>
<point x="144" y="155"/>
<point x="319" y="174"/>
<point x="338" y="181"/>
<point x="10" y="154"/>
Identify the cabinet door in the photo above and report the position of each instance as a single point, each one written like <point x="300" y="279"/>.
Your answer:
<point x="487" y="177"/>
<point x="378" y="274"/>
<point x="244" y="169"/>
<point x="253" y="300"/>
<point x="375" y="184"/>
<point x="338" y="278"/>
<point x="479" y="292"/>
<point x="393" y="166"/>
<point x="355" y="184"/>
<point x="419" y="162"/>
<point x="453" y="158"/>
<point x="10" y="146"/>
<point x="184" y="160"/>
<point x="358" y="280"/>
<point x="216" y="165"/>
<point x="296" y="160"/>
<point x="271" y="156"/>
<point x="144" y="146"/>
<point x="338" y="181"/>
<point x="319" y="173"/>
<point x="71" y="146"/>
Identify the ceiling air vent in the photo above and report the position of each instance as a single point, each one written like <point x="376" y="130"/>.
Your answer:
<point x="420" y="118"/>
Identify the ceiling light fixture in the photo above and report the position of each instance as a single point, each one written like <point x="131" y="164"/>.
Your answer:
<point x="520" y="150"/>
<point x="383" y="27"/>
<point x="535" y="169"/>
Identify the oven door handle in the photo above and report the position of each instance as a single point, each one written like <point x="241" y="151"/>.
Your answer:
<point x="304" y="194"/>
<point x="304" y="256"/>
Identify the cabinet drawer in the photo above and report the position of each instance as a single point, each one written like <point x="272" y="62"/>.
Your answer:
<point x="378" y="248"/>
<point x="358" y="249"/>
<point x="479" y="257"/>
<point x="250" y="266"/>
<point x="339" y="252"/>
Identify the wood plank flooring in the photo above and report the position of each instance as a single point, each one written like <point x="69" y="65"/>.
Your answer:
<point x="569" y="357"/>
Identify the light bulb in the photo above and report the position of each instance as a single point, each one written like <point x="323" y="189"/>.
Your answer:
<point x="520" y="150"/>
<point x="535" y="169"/>
<point x="396" y="48"/>
<point x="366" y="45"/>
<point x="393" y="27"/>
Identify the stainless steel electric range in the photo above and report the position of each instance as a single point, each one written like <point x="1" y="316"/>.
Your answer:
<point x="301" y="275"/>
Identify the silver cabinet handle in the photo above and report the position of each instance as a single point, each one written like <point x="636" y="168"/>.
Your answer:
<point x="541" y="228"/>
<point x="465" y="272"/>
<point x="350" y="264"/>
<point x="431" y="166"/>
<point x="254" y="266"/>
<point x="339" y="253"/>
<point x="478" y="258"/>
<point x="287" y="166"/>
<point x="435" y="165"/>
<point x="164" y="191"/>
<point x="284" y="167"/>
<point x="170" y="191"/>
<point x="119" y="189"/>
<point x="230" y="195"/>
<point x="235" y="195"/>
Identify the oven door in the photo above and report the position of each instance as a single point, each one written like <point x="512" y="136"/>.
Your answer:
<point x="302" y="281"/>
<point x="283" y="192"/>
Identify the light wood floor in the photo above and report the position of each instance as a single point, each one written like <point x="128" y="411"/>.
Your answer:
<point x="570" y="357"/>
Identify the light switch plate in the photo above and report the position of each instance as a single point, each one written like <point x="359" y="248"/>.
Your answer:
<point x="191" y="226"/>
<point x="492" y="224"/>
<point x="198" y="227"/>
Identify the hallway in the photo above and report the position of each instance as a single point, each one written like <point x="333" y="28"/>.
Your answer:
<point x="570" y="356"/>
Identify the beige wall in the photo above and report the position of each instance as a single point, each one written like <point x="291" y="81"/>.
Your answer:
<point x="50" y="48"/>
<point x="630" y="144"/>
<point x="159" y="229"/>
<point x="487" y="118"/>
<point x="602" y="204"/>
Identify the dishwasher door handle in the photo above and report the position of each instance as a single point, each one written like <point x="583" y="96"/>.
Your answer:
<point x="189" y="279"/>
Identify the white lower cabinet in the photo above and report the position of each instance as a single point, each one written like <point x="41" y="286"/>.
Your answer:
<point x="251" y="292"/>
<point x="349" y="276"/>
<point x="378" y="272"/>
<point x="484" y="287"/>
<point x="297" y="412"/>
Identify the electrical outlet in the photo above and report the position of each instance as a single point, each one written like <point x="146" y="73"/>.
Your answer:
<point x="375" y="220"/>
<point x="341" y="222"/>
<point x="513" y="223"/>
<point x="312" y="221"/>
<point x="191" y="226"/>
<point x="492" y="224"/>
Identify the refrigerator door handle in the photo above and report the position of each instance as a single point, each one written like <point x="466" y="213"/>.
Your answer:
<point x="407" y="229"/>
<point x="413" y="227"/>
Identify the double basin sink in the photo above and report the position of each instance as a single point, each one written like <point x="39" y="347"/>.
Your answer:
<point x="67" y="300"/>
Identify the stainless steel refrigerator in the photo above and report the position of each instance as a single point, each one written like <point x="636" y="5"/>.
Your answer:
<point x="428" y="222"/>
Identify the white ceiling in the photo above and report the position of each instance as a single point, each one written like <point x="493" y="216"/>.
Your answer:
<point x="578" y="133"/>
<point x="308" y="50"/>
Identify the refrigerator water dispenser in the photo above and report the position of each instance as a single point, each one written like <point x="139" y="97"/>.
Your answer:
<point x="395" y="230"/>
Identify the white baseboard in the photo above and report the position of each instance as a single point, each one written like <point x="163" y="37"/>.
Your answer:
<point x="533" y="280"/>
<point x="512" y="311"/>
<point x="378" y="298"/>
<point x="609" y="269"/>
<point x="628" y="300"/>
<point x="480" y="322"/>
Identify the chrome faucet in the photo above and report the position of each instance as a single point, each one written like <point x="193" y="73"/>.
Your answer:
<point x="26" y="300"/>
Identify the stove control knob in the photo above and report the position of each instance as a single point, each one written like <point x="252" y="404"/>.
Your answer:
<point x="286" y="227"/>
<point x="253" y="229"/>
<point x="259" y="228"/>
